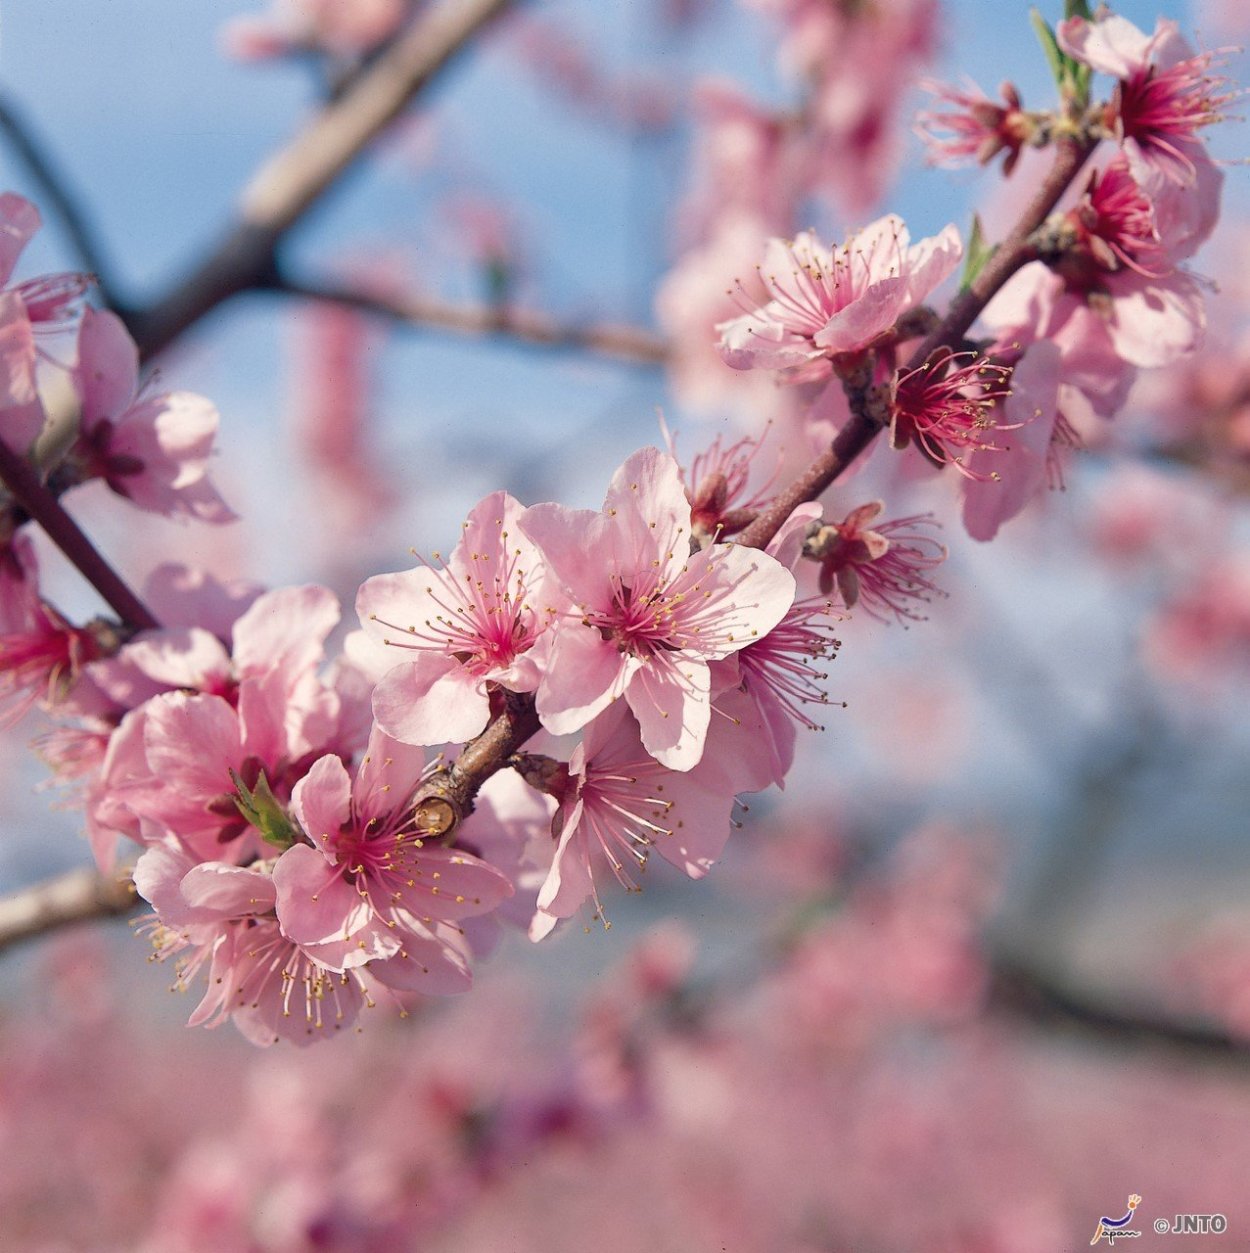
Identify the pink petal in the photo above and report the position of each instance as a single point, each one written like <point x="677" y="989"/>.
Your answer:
<point x="19" y="220"/>
<point x="425" y="966"/>
<point x="285" y="629"/>
<point x="317" y="905"/>
<point x="192" y="743"/>
<point x="322" y="802"/>
<point x="585" y="675"/>
<point x="1156" y="321"/>
<point x="389" y="772"/>
<point x="224" y="891"/>
<point x="1112" y="45"/>
<point x="431" y="700"/>
<point x="108" y="367"/>
<point x="669" y="697"/>
<point x="21" y="413"/>
<point x="865" y="317"/>
<point x="577" y="546"/>
<point x="650" y="515"/>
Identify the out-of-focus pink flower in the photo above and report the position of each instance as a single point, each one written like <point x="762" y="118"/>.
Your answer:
<point x="1202" y="636"/>
<point x="619" y="804"/>
<point x="1166" y="94"/>
<point x="153" y="451"/>
<point x="969" y="127"/>
<point x="372" y="879"/>
<point x="50" y="299"/>
<point x="824" y="303"/>
<point x="472" y="625"/>
<point x="642" y="615"/>
<point x="332" y="26"/>
<point x="41" y="655"/>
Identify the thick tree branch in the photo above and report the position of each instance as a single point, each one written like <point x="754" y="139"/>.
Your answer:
<point x="42" y="505"/>
<point x="78" y="896"/>
<point x="292" y="181"/>
<point x="626" y="343"/>
<point x="1024" y="990"/>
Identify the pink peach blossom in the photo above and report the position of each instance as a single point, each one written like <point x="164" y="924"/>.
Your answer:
<point x="471" y="623"/>
<point x="643" y="616"/>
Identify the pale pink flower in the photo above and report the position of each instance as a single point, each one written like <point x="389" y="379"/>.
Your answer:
<point x="470" y="625"/>
<point x="1202" y="634"/>
<point x="331" y="26"/>
<point x="644" y="615"/>
<point x="620" y="805"/>
<point x="1166" y="94"/>
<point x="21" y="411"/>
<point x="154" y="451"/>
<point x="824" y="303"/>
<point x="372" y="880"/>
<point x="220" y="916"/>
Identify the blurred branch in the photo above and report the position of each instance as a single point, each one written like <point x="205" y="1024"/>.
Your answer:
<point x="57" y="194"/>
<point x="80" y="895"/>
<point x="626" y="343"/>
<point x="293" y="180"/>
<point x="1028" y="991"/>
<point x="41" y="504"/>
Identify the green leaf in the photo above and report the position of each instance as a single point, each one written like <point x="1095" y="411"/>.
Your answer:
<point x="978" y="254"/>
<point x="261" y="808"/>
<point x="1077" y="8"/>
<point x="1054" y="54"/>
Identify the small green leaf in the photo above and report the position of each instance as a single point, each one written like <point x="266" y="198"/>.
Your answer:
<point x="261" y="808"/>
<point x="1054" y="54"/>
<point x="978" y="254"/>
<point x="1077" y="8"/>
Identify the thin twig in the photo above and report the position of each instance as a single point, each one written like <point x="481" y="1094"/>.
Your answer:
<point x="626" y="343"/>
<point x="56" y="193"/>
<point x="81" y="895"/>
<point x="42" y="505"/>
<point x="291" y="182"/>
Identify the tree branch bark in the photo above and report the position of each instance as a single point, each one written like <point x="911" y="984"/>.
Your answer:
<point x="293" y="180"/>
<point x="81" y="895"/>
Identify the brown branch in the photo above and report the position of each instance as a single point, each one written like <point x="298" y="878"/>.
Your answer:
<point x="44" y="508"/>
<point x="626" y="343"/>
<point x="291" y="182"/>
<point x="81" y="895"/>
<point x="1023" y="990"/>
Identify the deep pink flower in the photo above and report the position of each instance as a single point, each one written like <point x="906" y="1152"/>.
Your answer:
<point x="947" y="408"/>
<point x="643" y="615"/>
<point x="41" y="655"/>
<point x="371" y="878"/>
<point x="621" y="805"/>
<point x="154" y="451"/>
<point x="470" y="626"/>
<point x="972" y="128"/>
<point x="828" y="302"/>
<point x="884" y="566"/>
<point x="1166" y="94"/>
<point x="716" y="486"/>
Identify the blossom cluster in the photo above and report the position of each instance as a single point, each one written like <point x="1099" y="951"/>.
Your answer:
<point x="316" y="831"/>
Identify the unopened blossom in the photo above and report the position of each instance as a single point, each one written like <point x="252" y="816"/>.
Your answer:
<point x="373" y="878"/>
<point x="1166" y="94"/>
<point x="642" y="616"/>
<point x="967" y="126"/>
<point x="619" y="804"/>
<point x="459" y="631"/>
<point x="947" y="407"/>
<point x="829" y="302"/>
<point x="883" y="565"/>
<point x="152" y="450"/>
